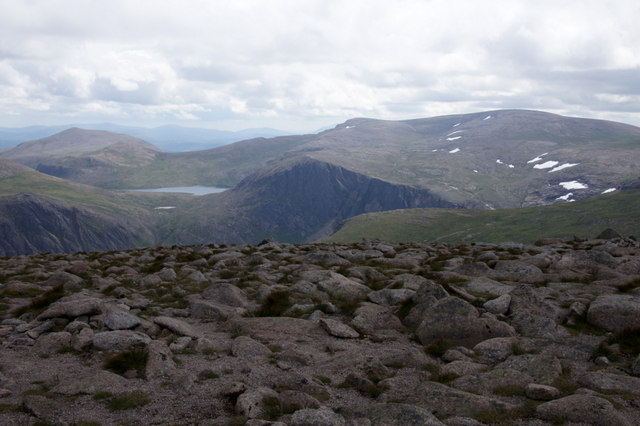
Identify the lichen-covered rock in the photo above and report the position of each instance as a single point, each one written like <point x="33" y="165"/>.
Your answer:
<point x="541" y="392"/>
<point x="338" y="329"/>
<point x="582" y="409"/>
<point x="72" y="307"/>
<point x="226" y="294"/>
<point x="316" y="417"/>
<point x="177" y="326"/>
<point x="246" y="347"/>
<point x="119" y="340"/>
<point x="615" y="312"/>
<point x="254" y="403"/>
<point x="458" y="321"/>
<point x="372" y="318"/>
<point x="401" y="415"/>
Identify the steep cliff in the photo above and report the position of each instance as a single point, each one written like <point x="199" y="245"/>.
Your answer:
<point x="31" y="223"/>
<point x="297" y="199"/>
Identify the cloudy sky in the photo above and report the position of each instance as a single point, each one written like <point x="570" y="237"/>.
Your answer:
<point x="305" y="64"/>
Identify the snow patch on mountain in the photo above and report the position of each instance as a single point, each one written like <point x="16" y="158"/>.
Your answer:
<point x="546" y="165"/>
<point x="606" y="191"/>
<point x="566" y="197"/>
<point x="453" y="151"/>
<point x="538" y="158"/>
<point x="574" y="184"/>
<point x="563" y="166"/>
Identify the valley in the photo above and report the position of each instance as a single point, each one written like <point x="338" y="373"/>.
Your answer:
<point x="301" y="188"/>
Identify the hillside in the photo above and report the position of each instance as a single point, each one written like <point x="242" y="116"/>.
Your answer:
<point x="41" y="213"/>
<point x="324" y="334"/>
<point x="585" y="218"/>
<point x="294" y="200"/>
<point x="84" y="156"/>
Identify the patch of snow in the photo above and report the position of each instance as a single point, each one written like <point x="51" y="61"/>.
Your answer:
<point x="453" y="151"/>
<point x="457" y="131"/>
<point x="566" y="197"/>
<point x="546" y="165"/>
<point x="606" y="191"/>
<point x="499" y="161"/>
<point x="475" y="171"/>
<point x="456" y="125"/>
<point x="434" y="150"/>
<point x="164" y="207"/>
<point x="538" y="158"/>
<point x="511" y="166"/>
<point x="455" y="138"/>
<point x="350" y="127"/>
<point x="487" y="117"/>
<point x="563" y="166"/>
<point x="574" y="184"/>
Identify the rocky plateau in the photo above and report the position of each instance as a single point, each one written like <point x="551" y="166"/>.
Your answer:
<point x="324" y="334"/>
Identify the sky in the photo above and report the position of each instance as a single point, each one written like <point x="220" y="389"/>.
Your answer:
<point x="304" y="65"/>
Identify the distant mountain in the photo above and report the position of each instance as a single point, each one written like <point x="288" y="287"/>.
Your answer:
<point x="82" y="155"/>
<point x="301" y="187"/>
<point x="170" y="138"/>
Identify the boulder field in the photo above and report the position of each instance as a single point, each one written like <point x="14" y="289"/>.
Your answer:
<point x="324" y="334"/>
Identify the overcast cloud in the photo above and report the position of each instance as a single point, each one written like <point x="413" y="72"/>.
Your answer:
<point x="301" y="65"/>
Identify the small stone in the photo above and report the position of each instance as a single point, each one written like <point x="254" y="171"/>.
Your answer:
<point x="499" y="305"/>
<point x="541" y="392"/>
<point x="338" y="329"/>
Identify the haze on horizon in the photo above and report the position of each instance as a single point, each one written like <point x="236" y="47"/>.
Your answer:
<point x="303" y="65"/>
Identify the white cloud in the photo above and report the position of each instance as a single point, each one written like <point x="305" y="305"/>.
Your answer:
<point x="299" y="64"/>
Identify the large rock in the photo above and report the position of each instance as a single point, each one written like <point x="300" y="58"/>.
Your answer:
<point x="583" y="409"/>
<point x="544" y="368"/>
<point x="120" y="320"/>
<point x="390" y="297"/>
<point x="458" y="321"/>
<point x="316" y="417"/>
<point x="160" y="365"/>
<point x="444" y="401"/>
<point x="338" y="329"/>
<point x="371" y="318"/>
<point x="342" y="288"/>
<point x="254" y="403"/>
<point x="517" y="270"/>
<point x="401" y="415"/>
<point x="177" y="326"/>
<point x="210" y="310"/>
<point x="119" y="340"/>
<point x="245" y="347"/>
<point x="487" y="285"/>
<point x="72" y="308"/>
<point x="226" y="294"/>
<point x="615" y="312"/>
<point x="48" y="344"/>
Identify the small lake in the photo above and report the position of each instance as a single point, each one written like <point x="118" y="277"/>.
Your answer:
<point x="194" y="190"/>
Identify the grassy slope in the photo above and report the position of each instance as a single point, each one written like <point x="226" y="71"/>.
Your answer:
<point x="585" y="218"/>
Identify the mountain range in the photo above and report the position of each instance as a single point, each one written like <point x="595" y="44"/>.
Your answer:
<point x="170" y="138"/>
<point x="301" y="188"/>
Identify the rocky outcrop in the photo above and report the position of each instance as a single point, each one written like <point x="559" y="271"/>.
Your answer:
<point x="321" y="334"/>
